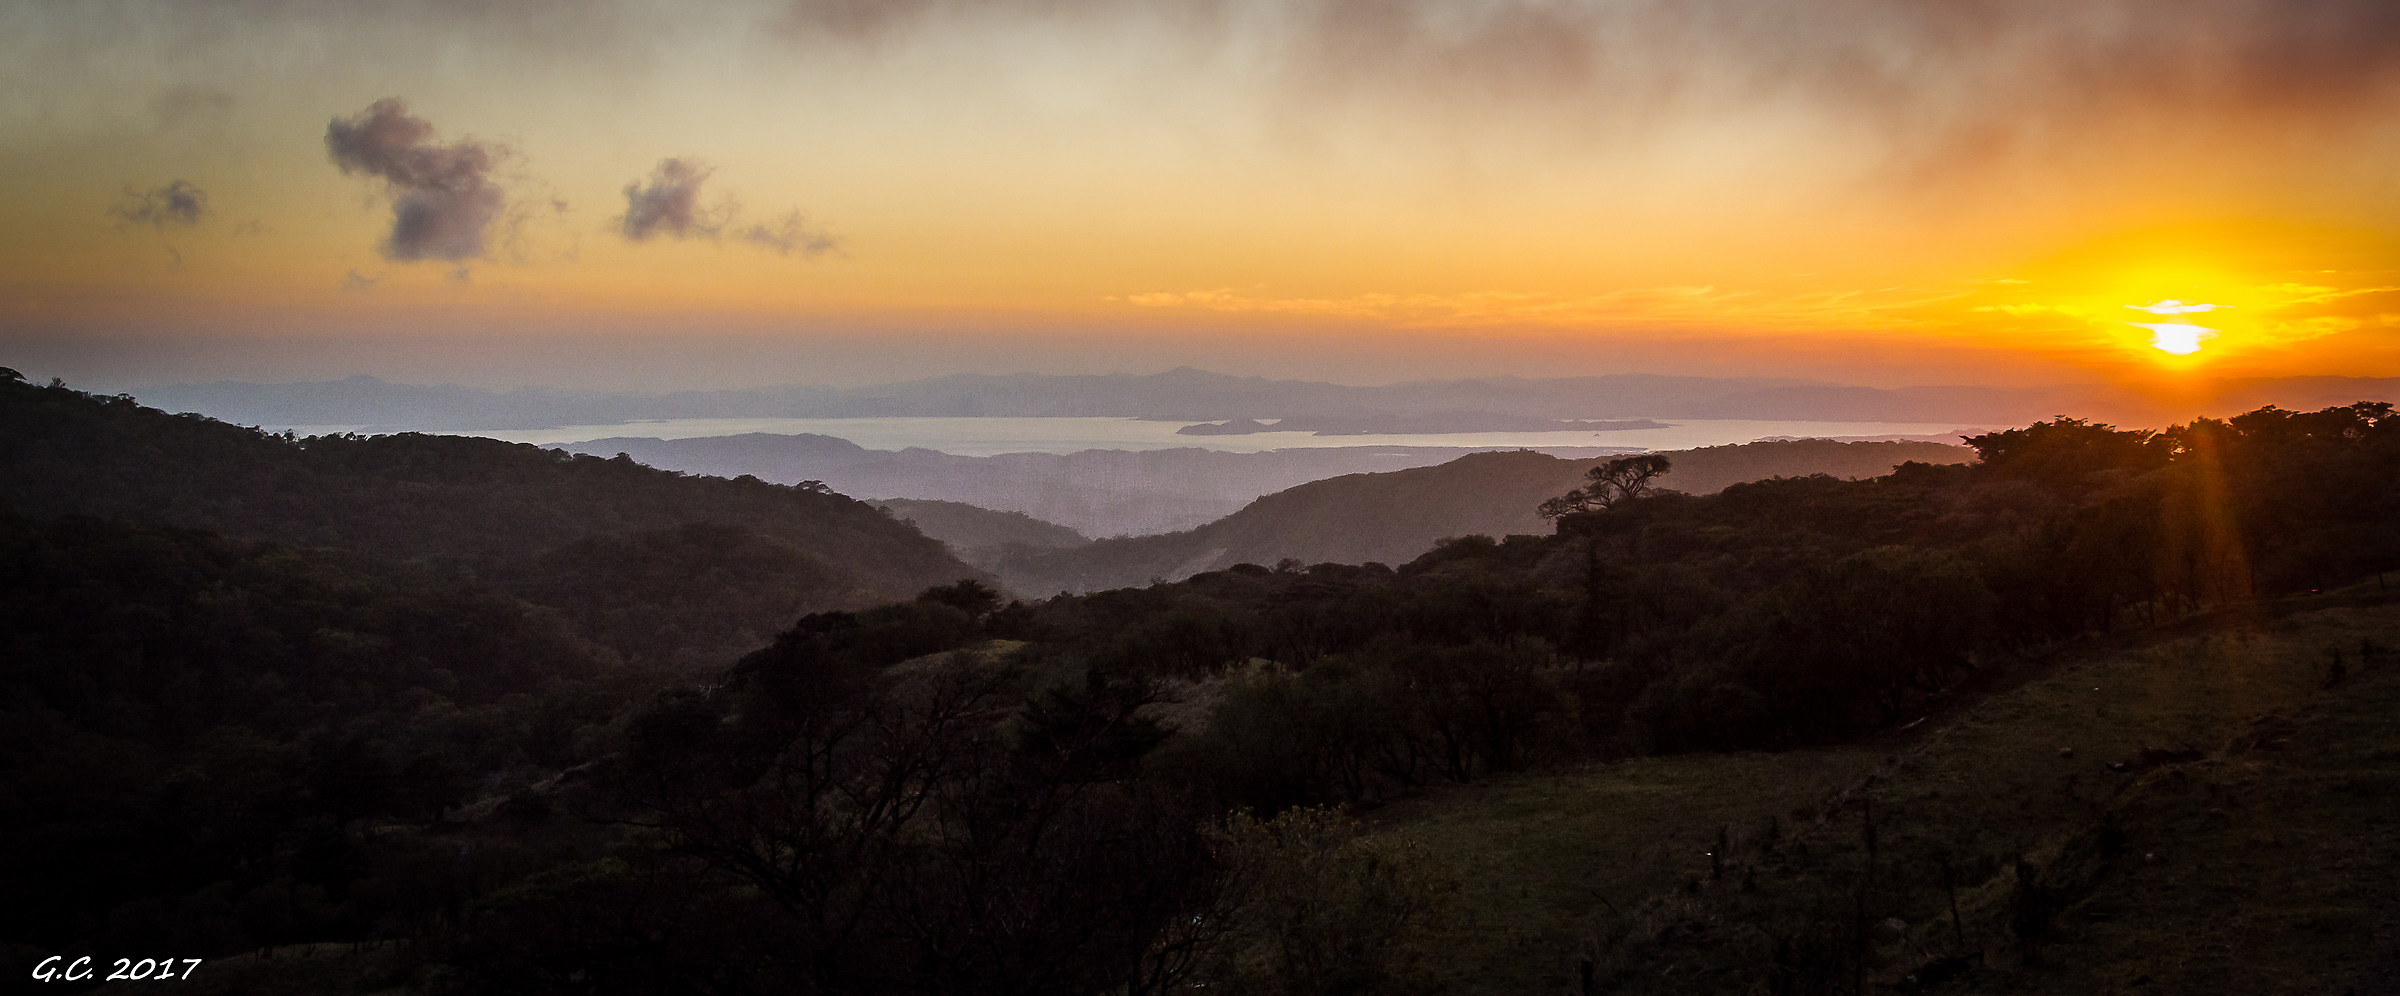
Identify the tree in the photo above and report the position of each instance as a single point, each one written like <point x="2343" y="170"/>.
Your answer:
<point x="2064" y="452"/>
<point x="968" y="595"/>
<point x="1609" y="484"/>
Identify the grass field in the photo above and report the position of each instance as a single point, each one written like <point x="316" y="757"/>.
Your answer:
<point x="2215" y="810"/>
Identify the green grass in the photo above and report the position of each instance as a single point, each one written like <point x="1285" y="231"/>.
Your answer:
<point x="2263" y="865"/>
<point x="1545" y="863"/>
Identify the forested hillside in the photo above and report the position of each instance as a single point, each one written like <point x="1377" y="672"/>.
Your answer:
<point x="200" y="734"/>
<point x="1392" y="517"/>
<point x="1291" y="779"/>
<point x="657" y="565"/>
<point x="230" y="656"/>
<point x="1070" y="763"/>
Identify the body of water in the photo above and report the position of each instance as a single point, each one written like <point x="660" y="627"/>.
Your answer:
<point x="993" y="436"/>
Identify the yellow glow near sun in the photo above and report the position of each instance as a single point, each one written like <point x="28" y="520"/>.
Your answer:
<point x="2170" y="306"/>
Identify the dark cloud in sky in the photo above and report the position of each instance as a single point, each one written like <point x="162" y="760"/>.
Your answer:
<point x="443" y="197"/>
<point x="1941" y="59"/>
<point x="668" y="203"/>
<point x="1920" y="69"/>
<point x="178" y="203"/>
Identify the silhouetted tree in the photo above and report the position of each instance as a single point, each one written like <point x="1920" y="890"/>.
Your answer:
<point x="1609" y="484"/>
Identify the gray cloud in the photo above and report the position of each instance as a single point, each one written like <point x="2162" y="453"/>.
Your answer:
<point x="178" y="203"/>
<point x="443" y="197"/>
<point x="1950" y="72"/>
<point x="790" y="235"/>
<point x="668" y="203"/>
<point x="1942" y="63"/>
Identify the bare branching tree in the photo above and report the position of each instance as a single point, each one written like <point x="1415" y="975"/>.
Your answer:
<point x="1608" y="484"/>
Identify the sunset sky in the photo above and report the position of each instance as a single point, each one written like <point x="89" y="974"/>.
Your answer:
<point x="640" y="193"/>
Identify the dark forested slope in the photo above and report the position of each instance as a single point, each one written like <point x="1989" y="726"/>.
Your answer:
<point x="197" y="731"/>
<point x="655" y="563"/>
<point x="977" y="533"/>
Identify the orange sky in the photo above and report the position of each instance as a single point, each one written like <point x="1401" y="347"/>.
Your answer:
<point x="1870" y="191"/>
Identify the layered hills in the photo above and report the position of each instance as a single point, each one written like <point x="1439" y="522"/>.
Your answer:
<point x="1393" y="517"/>
<point x="1094" y="492"/>
<point x="659" y="565"/>
<point x="975" y="531"/>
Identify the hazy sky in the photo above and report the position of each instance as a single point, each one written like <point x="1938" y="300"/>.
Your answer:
<point x="622" y="192"/>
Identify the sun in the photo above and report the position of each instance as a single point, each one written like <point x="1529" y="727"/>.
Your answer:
<point x="2179" y="338"/>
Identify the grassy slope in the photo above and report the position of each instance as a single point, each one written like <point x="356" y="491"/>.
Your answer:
<point x="2265" y="865"/>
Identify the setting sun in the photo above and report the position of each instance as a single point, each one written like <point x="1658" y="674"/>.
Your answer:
<point x="2175" y="337"/>
<point x="2179" y="338"/>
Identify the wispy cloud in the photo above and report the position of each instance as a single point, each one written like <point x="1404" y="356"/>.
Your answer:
<point x="1682" y="306"/>
<point x="791" y="235"/>
<point x="669" y="203"/>
<point x="176" y="204"/>
<point x="2283" y="312"/>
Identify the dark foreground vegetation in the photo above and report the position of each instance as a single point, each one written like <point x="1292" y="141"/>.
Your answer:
<point x="281" y="752"/>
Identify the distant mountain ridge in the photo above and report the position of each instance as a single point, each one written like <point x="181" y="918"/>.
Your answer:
<point x="1094" y="492"/>
<point x="1395" y="516"/>
<point x="1200" y="396"/>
